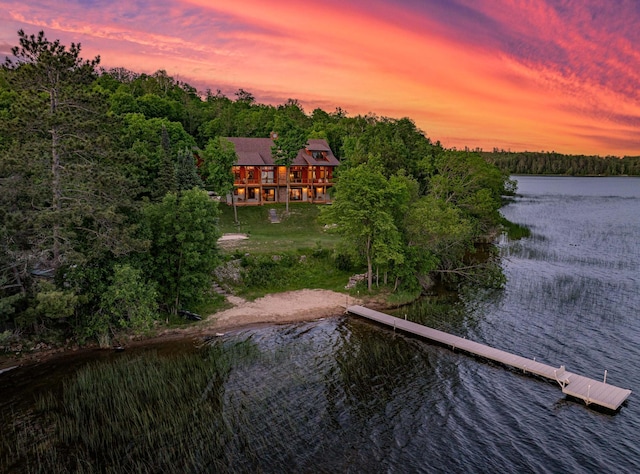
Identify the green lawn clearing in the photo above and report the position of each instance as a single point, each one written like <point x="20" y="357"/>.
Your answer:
<point x="297" y="230"/>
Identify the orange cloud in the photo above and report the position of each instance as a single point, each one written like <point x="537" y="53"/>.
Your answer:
<point x="520" y="75"/>
<point x="455" y="91"/>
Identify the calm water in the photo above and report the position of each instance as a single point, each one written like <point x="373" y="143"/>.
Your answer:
<point x="343" y="395"/>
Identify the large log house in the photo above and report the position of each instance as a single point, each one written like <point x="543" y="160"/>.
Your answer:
<point x="258" y="180"/>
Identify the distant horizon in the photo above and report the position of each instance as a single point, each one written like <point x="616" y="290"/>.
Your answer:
<point x="548" y="76"/>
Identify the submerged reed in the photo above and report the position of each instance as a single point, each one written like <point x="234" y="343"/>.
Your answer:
<point x="138" y="414"/>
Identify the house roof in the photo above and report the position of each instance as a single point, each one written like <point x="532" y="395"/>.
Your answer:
<point x="257" y="152"/>
<point x="317" y="145"/>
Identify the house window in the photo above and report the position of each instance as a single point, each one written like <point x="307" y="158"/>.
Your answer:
<point x="319" y="155"/>
<point x="254" y="194"/>
<point x="320" y="174"/>
<point x="295" y="176"/>
<point x="269" y="195"/>
<point x="268" y="175"/>
<point x="295" y="194"/>
<point x="237" y="176"/>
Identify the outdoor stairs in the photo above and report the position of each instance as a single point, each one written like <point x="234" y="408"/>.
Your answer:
<point x="273" y="216"/>
<point x="218" y="289"/>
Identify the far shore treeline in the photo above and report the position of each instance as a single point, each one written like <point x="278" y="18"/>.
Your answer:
<point x="552" y="163"/>
<point x="107" y="225"/>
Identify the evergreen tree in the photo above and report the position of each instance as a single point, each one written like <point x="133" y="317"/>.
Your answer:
<point x="186" y="171"/>
<point x="67" y="196"/>
<point x="63" y="192"/>
<point x="167" y="180"/>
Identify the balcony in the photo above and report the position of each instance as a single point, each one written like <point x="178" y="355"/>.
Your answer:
<point x="239" y="181"/>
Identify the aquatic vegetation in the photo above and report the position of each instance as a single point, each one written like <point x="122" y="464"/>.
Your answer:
<point x="138" y="414"/>
<point x="514" y="230"/>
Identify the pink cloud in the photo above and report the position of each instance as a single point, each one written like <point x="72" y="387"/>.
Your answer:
<point x="532" y="74"/>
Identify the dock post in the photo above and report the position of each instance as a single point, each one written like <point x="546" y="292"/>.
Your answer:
<point x="605" y="376"/>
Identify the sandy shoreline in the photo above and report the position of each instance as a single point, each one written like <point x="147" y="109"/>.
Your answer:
<point x="282" y="307"/>
<point x="276" y="308"/>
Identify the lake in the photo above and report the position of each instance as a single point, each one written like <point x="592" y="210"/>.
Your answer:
<point x="344" y="395"/>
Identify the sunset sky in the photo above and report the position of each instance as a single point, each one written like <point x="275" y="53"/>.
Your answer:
<point x="558" y="75"/>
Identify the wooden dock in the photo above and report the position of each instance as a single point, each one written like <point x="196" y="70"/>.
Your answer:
<point x="592" y="392"/>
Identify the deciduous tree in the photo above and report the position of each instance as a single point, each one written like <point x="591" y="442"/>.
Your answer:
<point x="219" y="157"/>
<point x="364" y="210"/>
<point x="184" y="251"/>
<point x="290" y="139"/>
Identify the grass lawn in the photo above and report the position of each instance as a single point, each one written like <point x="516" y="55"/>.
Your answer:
<point x="298" y="236"/>
<point x="299" y="229"/>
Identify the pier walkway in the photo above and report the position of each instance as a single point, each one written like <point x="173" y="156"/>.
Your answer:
<point x="592" y="392"/>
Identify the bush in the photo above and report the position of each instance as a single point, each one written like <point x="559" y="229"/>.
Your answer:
<point x="129" y="301"/>
<point x="262" y="271"/>
<point x="321" y="254"/>
<point x="343" y="262"/>
<point x="5" y="339"/>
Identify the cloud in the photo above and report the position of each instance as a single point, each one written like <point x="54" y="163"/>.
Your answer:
<point x="585" y="42"/>
<point x="623" y="141"/>
<point x="5" y="49"/>
<point x="538" y="74"/>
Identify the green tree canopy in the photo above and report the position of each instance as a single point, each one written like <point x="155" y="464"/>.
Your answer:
<point x="153" y="145"/>
<point x="290" y="139"/>
<point x="61" y="170"/>
<point x="219" y="157"/>
<point x="184" y="250"/>
<point x="470" y="183"/>
<point x="364" y="211"/>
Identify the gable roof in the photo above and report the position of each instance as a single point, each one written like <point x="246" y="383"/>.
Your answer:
<point x="257" y="152"/>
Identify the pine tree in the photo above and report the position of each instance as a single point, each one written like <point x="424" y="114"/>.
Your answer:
<point x="186" y="171"/>
<point x="167" y="182"/>
<point x="67" y="195"/>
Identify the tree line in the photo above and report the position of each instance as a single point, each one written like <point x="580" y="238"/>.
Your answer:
<point x="415" y="220"/>
<point x="105" y="217"/>
<point x="552" y="163"/>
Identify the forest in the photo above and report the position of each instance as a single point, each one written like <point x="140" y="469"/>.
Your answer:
<point x="106" y="221"/>
<point x="552" y="163"/>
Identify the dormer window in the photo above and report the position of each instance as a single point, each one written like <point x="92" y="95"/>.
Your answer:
<point x="319" y="155"/>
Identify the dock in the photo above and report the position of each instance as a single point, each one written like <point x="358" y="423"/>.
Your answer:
<point x="590" y="391"/>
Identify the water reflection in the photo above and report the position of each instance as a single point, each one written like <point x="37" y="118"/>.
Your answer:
<point x="344" y="395"/>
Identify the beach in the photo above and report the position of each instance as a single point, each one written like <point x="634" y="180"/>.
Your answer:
<point x="276" y="308"/>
